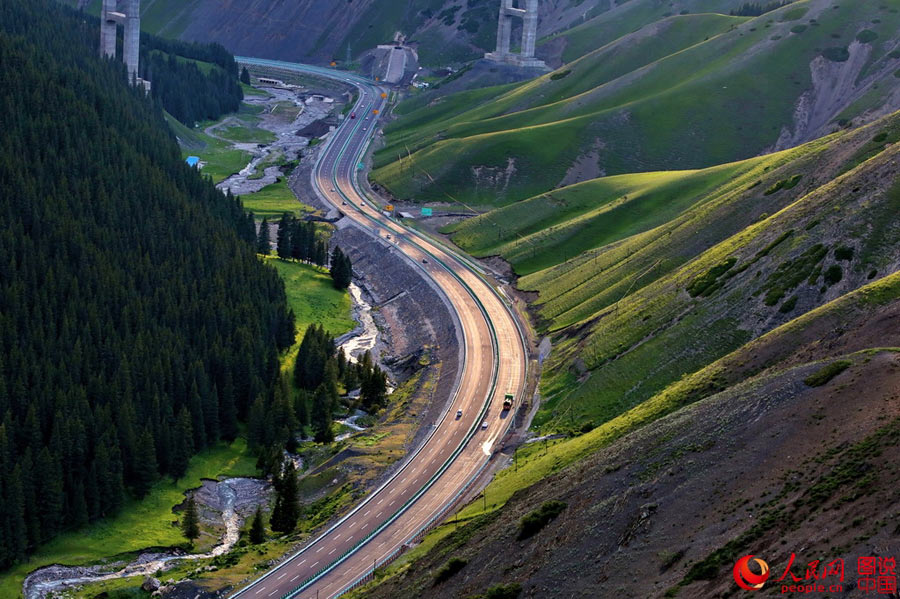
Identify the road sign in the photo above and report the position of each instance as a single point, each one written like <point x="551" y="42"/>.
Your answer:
<point x="426" y="211"/>
<point x="383" y="95"/>
<point x="360" y="166"/>
<point x="389" y="207"/>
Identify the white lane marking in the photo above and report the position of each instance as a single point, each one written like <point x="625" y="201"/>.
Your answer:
<point x="379" y="513"/>
<point x="380" y="500"/>
<point x="314" y="565"/>
<point x="260" y="590"/>
<point x="301" y="563"/>
<point x="367" y="512"/>
<point x="294" y="578"/>
<point x="330" y="552"/>
<point x="273" y="592"/>
<point x="319" y="549"/>
<point x="363" y="526"/>
<point x="282" y="576"/>
<point x="392" y="503"/>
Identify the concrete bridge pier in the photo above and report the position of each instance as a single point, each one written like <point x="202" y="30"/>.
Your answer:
<point x="529" y="16"/>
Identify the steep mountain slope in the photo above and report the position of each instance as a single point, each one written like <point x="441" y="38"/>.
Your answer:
<point x="729" y="381"/>
<point x="773" y="81"/>
<point x="443" y="31"/>
<point x="136" y="323"/>
<point x="634" y="317"/>
<point x="774" y="464"/>
<point x="608" y="22"/>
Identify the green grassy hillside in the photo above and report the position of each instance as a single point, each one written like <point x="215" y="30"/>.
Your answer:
<point x="603" y="27"/>
<point x="630" y="330"/>
<point x="620" y="109"/>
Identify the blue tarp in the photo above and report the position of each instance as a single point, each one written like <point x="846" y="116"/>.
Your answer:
<point x="192" y="160"/>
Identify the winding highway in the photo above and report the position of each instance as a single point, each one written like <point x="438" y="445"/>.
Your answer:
<point x="457" y="449"/>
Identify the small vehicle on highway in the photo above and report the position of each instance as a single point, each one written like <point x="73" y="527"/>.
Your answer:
<point x="352" y="115"/>
<point x="424" y="261"/>
<point x="459" y="413"/>
<point x="343" y="203"/>
<point x="332" y="189"/>
<point x="484" y="425"/>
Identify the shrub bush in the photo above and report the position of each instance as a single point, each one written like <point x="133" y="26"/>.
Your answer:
<point x="532" y="523"/>
<point x="453" y="565"/>
<point x="788" y="304"/>
<point x="837" y="54"/>
<point x="833" y="274"/>
<point x="784" y="184"/>
<point x="843" y="253"/>
<point x="703" y="283"/>
<point x="560" y="75"/>
<point x="823" y="375"/>
<point x="866" y="36"/>
<point x="504" y="591"/>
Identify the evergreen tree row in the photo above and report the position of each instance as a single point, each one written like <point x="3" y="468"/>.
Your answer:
<point x="341" y="269"/>
<point x="137" y="325"/>
<point x="295" y="239"/>
<point x="177" y="82"/>
<point x="186" y="92"/>
<point x="755" y="9"/>
<point x="205" y="52"/>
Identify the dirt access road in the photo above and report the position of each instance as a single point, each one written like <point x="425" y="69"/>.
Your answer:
<point x="495" y="363"/>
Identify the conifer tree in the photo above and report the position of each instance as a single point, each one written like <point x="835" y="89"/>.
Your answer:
<point x="321" y="415"/>
<point x="287" y="503"/>
<point x="321" y="254"/>
<point x="284" y="236"/>
<point x="190" y="522"/>
<point x="301" y="407"/>
<point x="145" y="470"/>
<point x="245" y="76"/>
<point x="49" y="478"/>
<point x="341" y="269"/>
<point x="228" y="411"/>
<point x="257" y="528"/>
<point x="183" y="440"/>
<point x="263" y="245"/>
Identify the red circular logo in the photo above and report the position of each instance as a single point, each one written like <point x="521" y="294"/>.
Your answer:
<point x="746" y="579"/>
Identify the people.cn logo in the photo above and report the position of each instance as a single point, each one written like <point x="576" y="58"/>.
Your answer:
<point x="746" y="579"/>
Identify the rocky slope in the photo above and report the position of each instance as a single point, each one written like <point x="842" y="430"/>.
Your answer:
<point x="721" y="399"/>
<point x="772" y="466"/>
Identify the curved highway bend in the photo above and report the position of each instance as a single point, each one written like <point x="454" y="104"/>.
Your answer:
<point x="458" y="448"/>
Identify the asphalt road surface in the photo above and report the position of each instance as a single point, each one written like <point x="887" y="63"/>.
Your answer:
<point x="494" y="364"/>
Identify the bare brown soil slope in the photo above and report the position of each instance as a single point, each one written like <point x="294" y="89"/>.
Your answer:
<point x="770" y="466"/>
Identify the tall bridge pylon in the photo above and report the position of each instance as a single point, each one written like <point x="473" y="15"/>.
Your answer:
<point x="529" y="16"/>
<point x="130" y="18"/>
